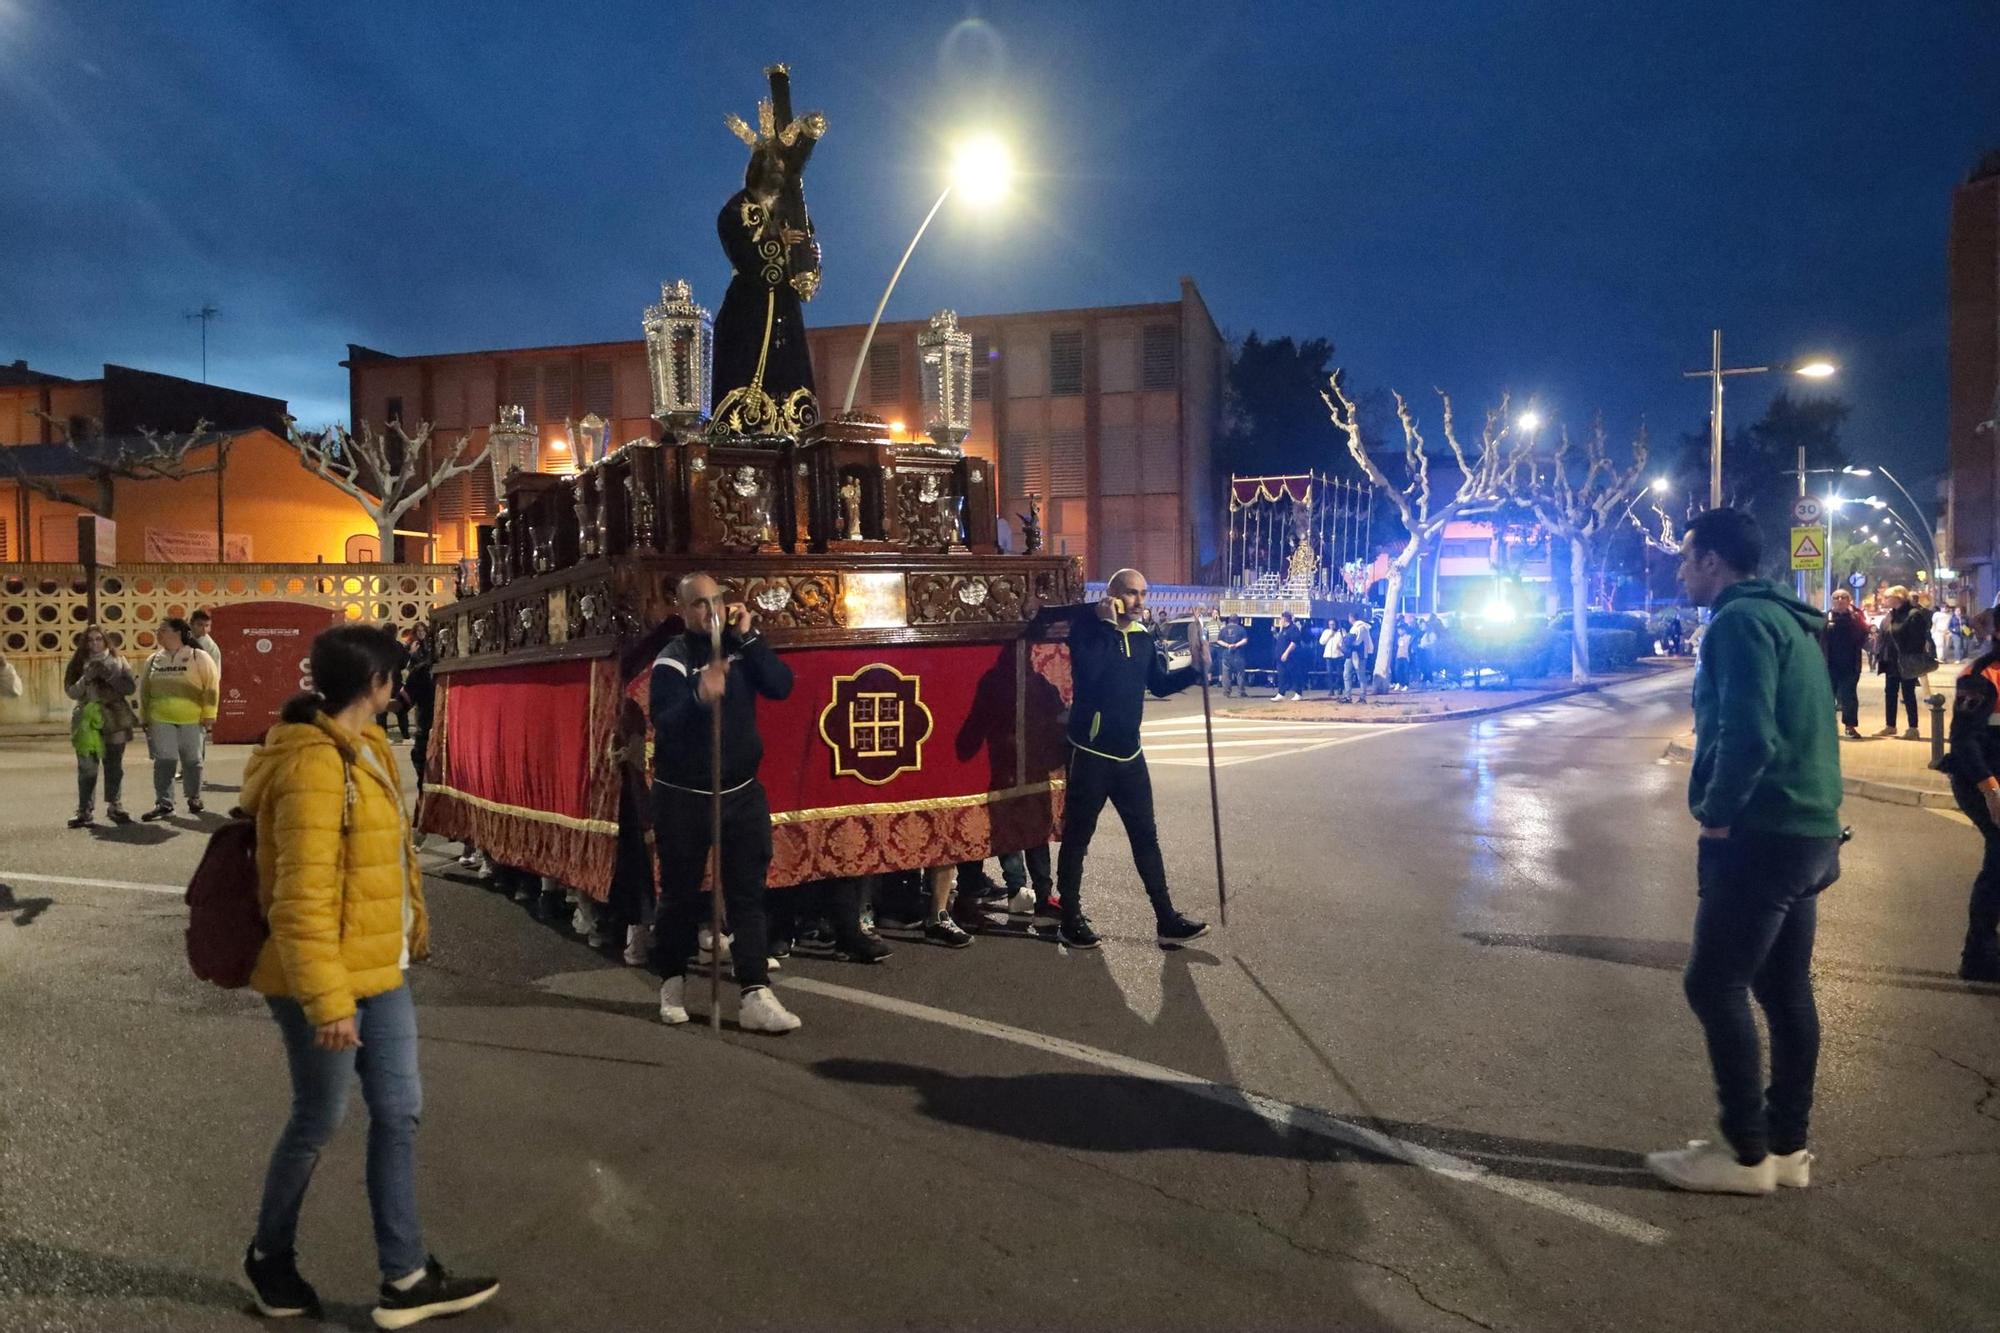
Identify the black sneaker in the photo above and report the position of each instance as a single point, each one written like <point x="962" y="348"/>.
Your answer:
<point x="118" y="815"/>
<point x="781" y="948"/>
<point x="941" y="929"/>
<point x="1047" y="907"/>
<point x="164" y="810"/>
<point x="81" y="819"/>
<point x="1076" y="933"/>
<point x="981" y="887"/>
<point x="863" y="949"/>
<point x="280" y="1292"/>
<point x="195" y="807"/>
<point x="1177" y="930"/>
<point x="436" y="1293"/>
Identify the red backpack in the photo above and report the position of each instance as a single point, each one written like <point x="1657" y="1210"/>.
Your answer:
<point x="226" y="927"/>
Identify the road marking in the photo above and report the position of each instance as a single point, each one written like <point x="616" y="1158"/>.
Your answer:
<point x="178" y="890"/>
<point x="1282" y="1115"/>
<point x="1273" y="747"/>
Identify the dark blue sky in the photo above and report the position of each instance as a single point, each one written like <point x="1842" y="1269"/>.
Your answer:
<point x="1558" y="198"/>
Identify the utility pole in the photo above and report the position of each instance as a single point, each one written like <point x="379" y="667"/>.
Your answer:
<point x="205" y="314"/>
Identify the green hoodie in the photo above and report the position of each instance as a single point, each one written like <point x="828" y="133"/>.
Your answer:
<point x="1765" y="754"/>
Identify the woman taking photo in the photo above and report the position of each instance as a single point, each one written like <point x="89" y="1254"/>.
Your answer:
<point x="178" y="694"/>
<point x="338" y="880"/>
<point x="100" y="725"/>
<point x="1904" y="656"/>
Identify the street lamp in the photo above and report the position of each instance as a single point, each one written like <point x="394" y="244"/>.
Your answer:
<point x="1916" y="509"/>
<point x="1817" y="369"/>
<point x="981" y="169"/>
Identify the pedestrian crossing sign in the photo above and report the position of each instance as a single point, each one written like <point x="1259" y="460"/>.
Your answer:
<point x="1808" y="549"/>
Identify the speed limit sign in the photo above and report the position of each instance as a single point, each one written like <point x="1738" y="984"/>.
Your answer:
<point x="1807" y="511"/>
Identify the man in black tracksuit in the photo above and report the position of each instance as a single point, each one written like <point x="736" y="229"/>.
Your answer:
<point x="686" y="685"/>
<point x="1113" y="662"/>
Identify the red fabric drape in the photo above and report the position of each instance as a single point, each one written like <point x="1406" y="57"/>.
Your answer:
<point x="520" y="766"/>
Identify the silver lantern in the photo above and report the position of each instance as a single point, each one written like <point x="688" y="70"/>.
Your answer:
<point x="945" y="354"/>
<point x="588" y="437"/>
<point x="513" y="446"/>
<point x="680" y="351"/>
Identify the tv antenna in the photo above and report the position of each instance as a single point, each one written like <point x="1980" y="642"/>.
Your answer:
<point x="205" y="314"/>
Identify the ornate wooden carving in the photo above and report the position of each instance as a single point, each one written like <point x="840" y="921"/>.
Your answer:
<point x="797" y="601"/>
<point x="968" y="598"/>
<point x="927" y="505"/>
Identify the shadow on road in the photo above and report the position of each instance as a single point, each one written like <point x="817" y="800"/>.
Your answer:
<point x="1672" y="956"/>
<point x="1119" y="1113"/>
<point x="22" y="912"/>
<point x="132" y="835"/>
<point x="31" y="1269"/>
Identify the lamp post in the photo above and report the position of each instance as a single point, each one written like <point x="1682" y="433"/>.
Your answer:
<point x="1930" y="546"/>
<point x="1715" y="374"/>
<point x="981" y="170"/>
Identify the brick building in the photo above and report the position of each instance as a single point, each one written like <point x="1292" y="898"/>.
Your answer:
<point x="1110" y="413"/>
<point x="1973" y="369"/>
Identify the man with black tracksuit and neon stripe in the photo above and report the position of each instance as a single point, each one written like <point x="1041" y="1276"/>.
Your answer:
<point x="1113" y="662"/>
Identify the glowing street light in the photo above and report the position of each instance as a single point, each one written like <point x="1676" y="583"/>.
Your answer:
<point x="1528" y="422"/>
<point x="982" y="169"/>
<point x="1816" y="369"/>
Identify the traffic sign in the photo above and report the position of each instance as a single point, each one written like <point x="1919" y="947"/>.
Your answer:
<point x="1808" y="549"/>
<point x="1857" y="580"/>
<point x="1806" y="511"/>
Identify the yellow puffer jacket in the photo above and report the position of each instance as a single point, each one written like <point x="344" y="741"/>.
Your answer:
<point x="334" y="902"/>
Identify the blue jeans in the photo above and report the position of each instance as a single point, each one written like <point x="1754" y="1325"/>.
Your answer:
<point x="1753" y="934"/>
<point x="387" y="1063"/>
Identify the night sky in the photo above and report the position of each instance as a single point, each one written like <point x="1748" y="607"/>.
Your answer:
<point x="1557" y="198"/>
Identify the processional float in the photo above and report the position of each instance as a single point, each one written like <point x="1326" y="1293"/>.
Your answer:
<point x="923" y="726"/>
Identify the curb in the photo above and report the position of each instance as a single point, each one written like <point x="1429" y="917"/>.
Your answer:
<point x="1889" y="793"/>
<point x="1416" y="719"/>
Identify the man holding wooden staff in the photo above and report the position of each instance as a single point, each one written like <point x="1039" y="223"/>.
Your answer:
<point x="1113" y="662"/>
<point x="690" y="681"/>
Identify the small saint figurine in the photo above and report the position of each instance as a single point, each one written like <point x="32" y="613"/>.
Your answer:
<point x="1031" y="525"/>
<point x="850" y="501"/>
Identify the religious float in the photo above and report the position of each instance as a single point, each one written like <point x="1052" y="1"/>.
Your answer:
<point x="1302" y="543"/>
<point x="924" y="725"/>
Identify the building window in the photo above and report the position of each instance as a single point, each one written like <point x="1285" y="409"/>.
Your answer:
<point x="597" y="388"/>
<point x="983" y="357"/>
<point x="517" y="388"/>
<point x="885" y="373"/>
<point x="1066" y="363"/>
<point x="1066" y="463"/>
<point x="1027" y="368"/>
<point x="557" y="400"/>
<point x="1024" y="464"/>
<point x="6" y="552"/>
<point x="392" y="411"/>
<point x="1159" y="359"/>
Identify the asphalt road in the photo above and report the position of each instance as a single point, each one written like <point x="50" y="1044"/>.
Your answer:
<point x="1407" y="1087"/>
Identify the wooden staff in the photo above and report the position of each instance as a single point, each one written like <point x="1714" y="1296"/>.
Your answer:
<point x="715" y="823"/>
<point x="1214" y="801"/>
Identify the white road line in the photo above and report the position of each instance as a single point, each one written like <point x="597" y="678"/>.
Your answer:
<point x="24" y="877"/>
<point x="1268" y="742"/>
<point x="1283" y="1115"/>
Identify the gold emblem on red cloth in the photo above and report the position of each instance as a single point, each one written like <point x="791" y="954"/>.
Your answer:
<point x="876" y="724"/>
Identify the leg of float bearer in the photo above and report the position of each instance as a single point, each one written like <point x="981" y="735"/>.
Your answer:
<point x="715" y="825"/>
<point x="1214" y="802"/>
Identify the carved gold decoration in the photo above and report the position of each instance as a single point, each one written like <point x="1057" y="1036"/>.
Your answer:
<point x="927" y="511"/>
<point x="797" y="601"/>
<point x="741" y="502"/>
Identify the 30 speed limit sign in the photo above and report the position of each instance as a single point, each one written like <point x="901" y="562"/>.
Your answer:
<point x="1807" y="511"/>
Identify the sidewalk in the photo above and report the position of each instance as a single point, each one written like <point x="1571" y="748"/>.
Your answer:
<point x="1433" y="705"/>
<point x="1879" y="768"/>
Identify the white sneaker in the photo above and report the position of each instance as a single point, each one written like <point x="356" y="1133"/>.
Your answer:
<point x="1022" y="903"/>
<point x="1794" y="1169"/>
<point x="583" y="921"/>
<point x="485" y="866"/>
<point x="707" y="944"/>
<point x="673" y="1001"/>
<point x="1711" y="1168"/>
<point x="761" y="1012"/>
<point x="638" y="944"/>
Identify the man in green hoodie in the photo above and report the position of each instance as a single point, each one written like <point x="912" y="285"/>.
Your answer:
<point x="1766" y="792"/>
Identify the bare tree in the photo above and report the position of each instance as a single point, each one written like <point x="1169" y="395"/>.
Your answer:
<point x="388" y="475"/>
<point x="1578" y="499"/>
<point x="149" y="456"/>
<point x="1425" y="510"/>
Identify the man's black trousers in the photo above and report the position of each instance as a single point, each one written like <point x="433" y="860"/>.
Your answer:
<point x="681" y="828"/>
<point x="1093" y="780"/>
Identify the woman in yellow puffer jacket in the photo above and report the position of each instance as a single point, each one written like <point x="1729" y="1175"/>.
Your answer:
<point x="338" y="878"/>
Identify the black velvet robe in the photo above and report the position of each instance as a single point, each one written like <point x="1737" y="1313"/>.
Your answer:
<point x="764" y="294"/>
